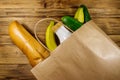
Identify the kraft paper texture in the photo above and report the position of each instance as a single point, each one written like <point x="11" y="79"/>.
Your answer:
<point x="88" y="54"/>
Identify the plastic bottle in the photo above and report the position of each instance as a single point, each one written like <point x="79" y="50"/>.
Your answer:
<point x="61" y="31"/>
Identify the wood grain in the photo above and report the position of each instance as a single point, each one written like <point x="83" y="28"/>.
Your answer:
<point x="13" y="63"/>
<point x="10" y="72"/>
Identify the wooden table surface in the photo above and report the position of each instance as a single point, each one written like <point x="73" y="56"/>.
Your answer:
<point x="13" y="64"/>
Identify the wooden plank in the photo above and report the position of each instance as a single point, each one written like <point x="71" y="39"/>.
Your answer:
<point x="10" y="54"/>
<point x="27" y="22"/>
<point x="16" y="72"/>
<point x="5" y="40"/>
<point x="58" y="12"/>
<point x="115" y="38"/>
<point x="21" y="4"/>
<point x="76" y="3"/>
<point x="59" y="3"/>
<point x="110" y="26"/>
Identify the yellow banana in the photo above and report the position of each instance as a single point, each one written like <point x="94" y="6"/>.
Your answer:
<point x="79" y="15"/>
<point x="50" y="37"/>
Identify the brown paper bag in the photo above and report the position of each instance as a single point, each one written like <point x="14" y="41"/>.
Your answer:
<point x="89" y="54"/>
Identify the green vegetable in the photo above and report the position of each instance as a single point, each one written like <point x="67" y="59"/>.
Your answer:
<point x="72" y="23"/>
<point x="79" y="15"/>
<point x="86" y="13"/>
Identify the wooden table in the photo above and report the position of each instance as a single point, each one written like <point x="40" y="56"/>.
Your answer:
<point x="13" y="64"/>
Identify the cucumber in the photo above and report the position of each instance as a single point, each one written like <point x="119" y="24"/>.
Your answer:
<point x="72" y="23"/>
<point x="87" y="16"/>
